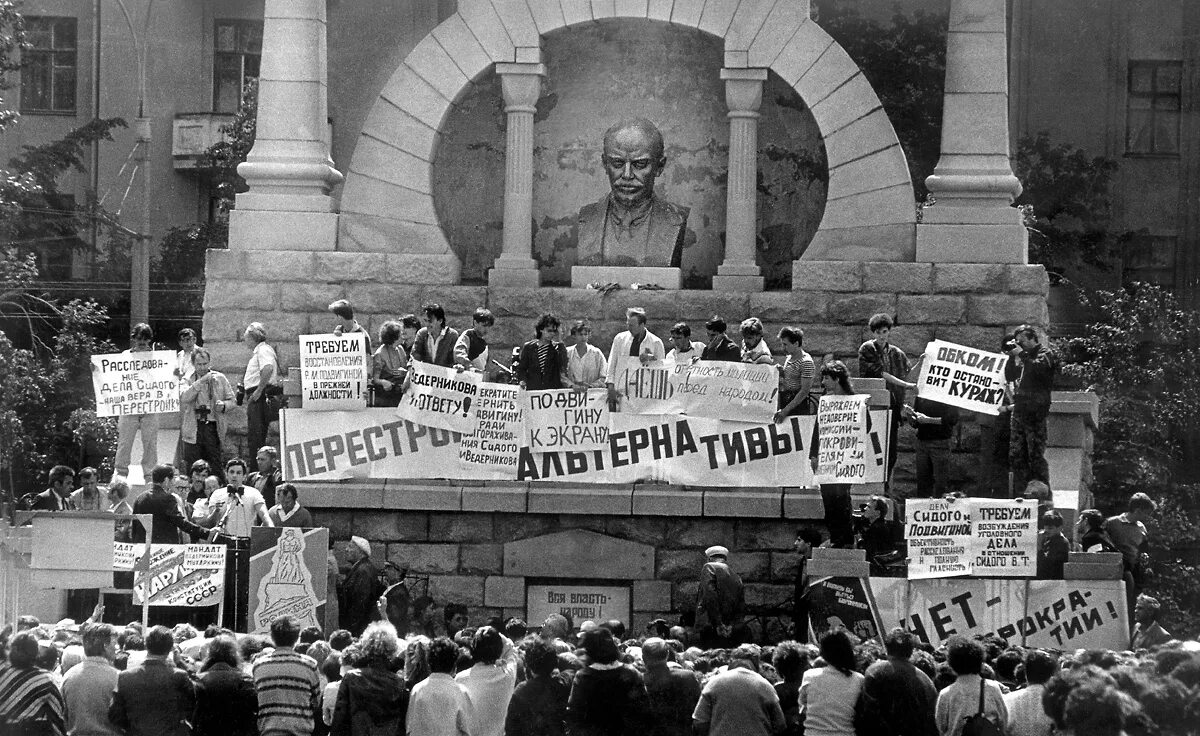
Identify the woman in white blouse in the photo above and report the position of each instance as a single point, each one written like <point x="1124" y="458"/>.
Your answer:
<point x="586" y="365"/>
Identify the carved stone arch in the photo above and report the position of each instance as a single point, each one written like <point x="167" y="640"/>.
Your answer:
<point x="387" y="200"/>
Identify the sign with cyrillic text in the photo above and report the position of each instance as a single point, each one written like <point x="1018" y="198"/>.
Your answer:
<point x="128" y="384"/>
<point x="1003" y="540"/>
<point x="334" y="371"/>
<point x="182" y="575"/>
<point x="939" y="537"/>
<point x="961" y="376"/>
<point x="441" y="398"/>
<point x="580" y="603"/>
<point x="565" y="420"/>
<point x="847" y="452"/>
<point x="747" y="392"/>
<point x="491" y="450"/>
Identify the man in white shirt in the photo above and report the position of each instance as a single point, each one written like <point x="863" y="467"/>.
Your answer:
<point x="1026" y="716"/>
<point x="439" y="706"/>
<point x="636" y="342"/>
<point x="232" y="510"/>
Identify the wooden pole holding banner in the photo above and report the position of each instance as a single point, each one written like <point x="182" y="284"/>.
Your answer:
<point x="148" y="523"/>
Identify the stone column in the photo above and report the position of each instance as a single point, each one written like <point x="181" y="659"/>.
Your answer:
<point x="521" y="84"/>
<point x="289" y="170"/>
<point x="743" y="96"/>
<point x="973" y="182"/>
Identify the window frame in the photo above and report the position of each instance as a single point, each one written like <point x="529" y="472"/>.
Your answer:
<point x="240" y="54"/>
<point x="53" y="60"/>
<point x="1153" y="98"/>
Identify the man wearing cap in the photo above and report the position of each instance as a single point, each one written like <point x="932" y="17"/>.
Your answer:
<point x="722" y="598"/>
<point x="360" y="590"/>
<point x="1148" y="633"/>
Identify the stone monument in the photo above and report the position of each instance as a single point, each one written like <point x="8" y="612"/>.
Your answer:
<point x="631" y="235"/>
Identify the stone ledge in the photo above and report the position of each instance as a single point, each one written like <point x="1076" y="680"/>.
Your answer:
<point x="743" y="502"/>
<point x="499" y="496"/>
<point x="562" y="498"/>
<point x="664" y="500"/>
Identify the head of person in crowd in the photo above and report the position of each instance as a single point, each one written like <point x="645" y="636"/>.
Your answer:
<point x="548" y="328"/>
<point x="635" y="321"/>
<point x="515" y="629"/>
<point x="187" y="339"/>
<point x="47" y="656"/>
<point x="424" y="609"/>
<point x="1026" y="337"/>
<point x="746" y="656"/>
<point x="201" y="361"/>
<point x="581" y="331"/>
<point x="600" y="646"/>
<point x="835" y="378"/>
<point x="26" y="622"/>
<point x="23" y="650"/>
<point x="1040" y="666"/>
<point x="1145" y="610"/>
<point x="434" y="318"/>
<point x="656" y="653"/>
<point x="235" y="472"/>
<point x="790" y="660"/>
<point x="1090" y="520"/>
<point x="483" y="320"/>
<point x="285" y="631"/>
<point x="118" y="490"/>
<point x="223" y="649"/>
<point x="487" y="645"/>
<point x="255" y="333"/>
<point x="716" y="553"/>
<point x="161" y="476"/>
<point x="89" y="481"/>
<point x="1037" y="490"/>
<point x="1098" y="709"/>
<point x="1051" y="523"/>
<point x="267" y="458"/>
<point x="881" y="328"/>
<point x="541" y="658"/>
<point x="62" y="480"/>
<point x="875" y="508"/>
<point x="752" y="332"/>
<point x="416" y="660"/>
<point x="180" y="487"/>
<point x="410" y="324"/>
<point x="681" y="337"/>
<point x="211" y="483"/>
<point x="340" y="639"/>
<point x="716" y="328"/>
<point x="455" y="617"/>
<point x="343" y="310"/>
<point x="899" y="643"/>
<point x="1141" y="508"/>
<point x="331" y="667"/>
<point x="964" y="655"/>
<point x="99" y="640"/>
<point x="389" y="332"/>
<point x="356" y="549"/>
<point x="806" y="540"/>
<point x="197" y="473"/>
<point x="141" y="338"/>
<point x="288" y="497"/>
<point x="443" y="655"/>
<point x="792" y="339"/>
<point x="378" y="646"/>
<point x="556" y="626"/>
<point x="159" y="642"/>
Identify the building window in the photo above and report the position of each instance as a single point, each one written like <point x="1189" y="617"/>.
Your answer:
<point x="1152" y="113"/>
<point x="1150" y="259"/>
<point x="48" y="66"/>
<point x="236" y="56"/>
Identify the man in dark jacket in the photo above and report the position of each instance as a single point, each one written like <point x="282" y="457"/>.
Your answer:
<point x="543" y="362"/>
<point x="163" y="505"/>
<point x="155" y="698"/>
<point x="673" y="691"/>
<point x="58" y="496"/>
<point x="1031" y="408"/>
<point x="720" y="347"/>
<point x="360" y="590"/>
<point x="897" y="699"/>
<point x="435" y="341"/>
<point x="722" y="599"/>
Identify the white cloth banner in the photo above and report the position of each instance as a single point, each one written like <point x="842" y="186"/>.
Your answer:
<point x="961" y="376"/>
<point x="848" y="452"/>
<point x="334" y="371"/>
<point x="440" y="398"/>
<point x="375" y="443"/>
<point x="565" y="420"/>
<point x="135" y="383"/>
<point x="1003" y="537"/>
<point x="747" y="392"/>
<point x="939" y="537"/>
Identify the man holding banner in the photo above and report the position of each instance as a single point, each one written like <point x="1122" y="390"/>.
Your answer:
<point x="636" y="343"/>
<point x="141" y="338"/>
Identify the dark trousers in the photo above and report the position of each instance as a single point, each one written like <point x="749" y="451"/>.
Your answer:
<point x="256" y="428"/>
<point x="838" y="510"/>
<point x="1027" y="448"/>
<point x="207" y="447"/>
<point x="933" y="467"/>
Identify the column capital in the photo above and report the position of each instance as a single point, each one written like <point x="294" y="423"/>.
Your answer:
<point x="521" y="85"/>
<point x="743" y="90"/>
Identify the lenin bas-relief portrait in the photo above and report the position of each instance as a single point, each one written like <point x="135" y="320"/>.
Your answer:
<point x="631" y="225"/>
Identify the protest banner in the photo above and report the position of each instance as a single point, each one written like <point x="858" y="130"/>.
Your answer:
<point x="374" y="443"/>
<point x="126" y="555"/>
<point x="182" y="575"/>
<point x="1003" y="541"/>
<point x="843" y="602"/>
<point x="961" y="376"/>
<point x="490" y="452"/>
<point x="578" y="602"/>
<point x="565" y="420"/>
<point x="645" y="389"/>
<point x="287" y="576"/>
<point x="440" y="398"/>
<point x="744" y="392"/>
<point x="135" y="383"/>
<point x="847" y="453"/>
<point x="1073" y="614"/>
<point x="334" y="371"/>
<point x="939" y="538"/>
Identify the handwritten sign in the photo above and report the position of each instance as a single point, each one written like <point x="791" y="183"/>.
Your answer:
<point x="182" y="575"/>
<point x="745" y="392"/>
<point x="334" y="371"/>
<point x="441" y="397"/>
<point x="846" y="453"/>
<point x="939" y="538"/>
<point x="135" y="383"/>
<point x="1003" y="539"/>
<point x="566" y="420"/>
<point x="491" y="450"/>
<point x="580" y="602"/>
<point x="961" y="376"/>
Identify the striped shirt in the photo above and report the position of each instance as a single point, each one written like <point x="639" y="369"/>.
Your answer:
<point x="287" y="686"/>
<point x="29" y="695"/>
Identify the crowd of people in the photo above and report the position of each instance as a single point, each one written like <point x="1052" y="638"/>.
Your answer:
<point x="503" y="678"/>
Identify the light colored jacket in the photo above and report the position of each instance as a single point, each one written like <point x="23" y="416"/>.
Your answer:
<point x="189" y="399"/>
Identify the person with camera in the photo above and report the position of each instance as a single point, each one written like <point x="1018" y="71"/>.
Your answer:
<point x="204" y="405"/>
<point x="1031" y="407"/>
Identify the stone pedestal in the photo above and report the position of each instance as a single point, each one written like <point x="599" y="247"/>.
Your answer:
<point x="626" y="276"/>
<point x="289" y="171"/>
<point x="973" y="183"/>
<point x="521" y="84"/>
<point x="743" y="95"/>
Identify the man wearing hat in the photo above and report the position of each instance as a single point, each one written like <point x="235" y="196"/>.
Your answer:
<point x="722" y="599"/>
<point x="361" y="588"/>
<point x="1148" y="633"/>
